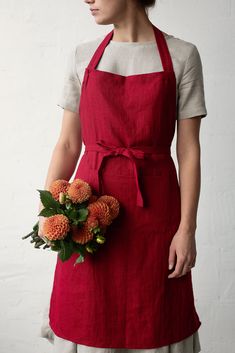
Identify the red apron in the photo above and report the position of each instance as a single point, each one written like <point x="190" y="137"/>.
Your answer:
<point x="121" y="297"/>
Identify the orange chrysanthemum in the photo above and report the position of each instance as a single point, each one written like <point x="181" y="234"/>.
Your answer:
<point x="79" y="191"/>
<point x="58" y="186"/>
<point x="56" y="227"/>
<point x="113" y="204"/>
<point x="92" y="222"/>
<point x="100" y="210"/>
<point x="83" y="234"/>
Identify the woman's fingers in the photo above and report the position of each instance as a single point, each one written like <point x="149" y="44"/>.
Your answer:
<point x="171" y="258"/>
<point x="40" y="230"/>
<point x="40" y="226"/>
<point x="187" y="268"/>
<point x="184" y="247"/>
<point x="183" y="265"/>
<point x="178" y="268"/>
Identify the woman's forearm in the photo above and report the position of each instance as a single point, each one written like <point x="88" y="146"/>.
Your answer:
<point x="62" y="165"/>
<point x="190" y="183"/>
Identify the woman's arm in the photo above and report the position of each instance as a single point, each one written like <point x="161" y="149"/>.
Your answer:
<point x="183" y="245"/>
<point x="65" y="153"/>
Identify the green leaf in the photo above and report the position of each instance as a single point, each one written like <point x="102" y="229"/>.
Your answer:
<point x="72" y="214"/>
<point x="77" y="215"/>
<point x="47" y="212"/>
<point x="79" y="259"/>
<point x="66" y="250"/>
<point x="79" y="248"/>
<point x="78" y="223"/>
<point x="55" y="245"/>
<point x="82" y="214"/>
<point x="47" y="199"/>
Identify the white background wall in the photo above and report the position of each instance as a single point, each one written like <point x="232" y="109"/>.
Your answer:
<point x="36" y="37"/>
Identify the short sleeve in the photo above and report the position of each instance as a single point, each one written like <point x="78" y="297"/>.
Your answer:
<point x="70" y="95"/>
<point x="191" y="98"/>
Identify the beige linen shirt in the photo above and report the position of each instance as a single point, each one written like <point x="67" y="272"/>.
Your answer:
<point x="128" y="58"/>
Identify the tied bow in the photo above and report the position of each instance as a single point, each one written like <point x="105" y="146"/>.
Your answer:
<point x="131" y="152"/>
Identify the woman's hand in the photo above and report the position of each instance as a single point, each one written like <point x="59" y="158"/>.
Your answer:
<point x="183" y="250"/>
<point x="40" y="228"/>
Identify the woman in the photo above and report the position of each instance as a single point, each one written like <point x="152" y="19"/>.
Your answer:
<point x="137" y="82"/>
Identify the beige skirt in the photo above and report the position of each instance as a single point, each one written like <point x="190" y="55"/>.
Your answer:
<point x="190" y="344"/>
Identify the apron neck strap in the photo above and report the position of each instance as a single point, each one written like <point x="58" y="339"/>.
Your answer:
<point x="161" y="45"/>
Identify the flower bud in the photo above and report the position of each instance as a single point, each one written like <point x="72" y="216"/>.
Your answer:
<point x="62" y="198"/>
<point x="89" y="249"/>
<point x="100" y="239"/>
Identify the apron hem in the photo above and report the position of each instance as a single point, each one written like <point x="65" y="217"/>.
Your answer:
<point x="120" y="346"/>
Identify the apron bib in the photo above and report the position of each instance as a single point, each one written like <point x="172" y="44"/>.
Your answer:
<point x="121" y="297"/>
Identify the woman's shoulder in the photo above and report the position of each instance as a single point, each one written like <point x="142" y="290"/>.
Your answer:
<point x="86" y="48"/>
<point x="181" y="49"/>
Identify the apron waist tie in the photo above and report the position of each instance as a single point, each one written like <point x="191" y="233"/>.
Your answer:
<point x="132" y="152"/>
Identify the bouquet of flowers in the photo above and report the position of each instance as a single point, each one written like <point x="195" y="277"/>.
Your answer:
<point x="76" y="219"/>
